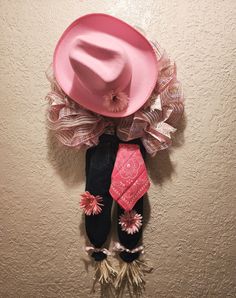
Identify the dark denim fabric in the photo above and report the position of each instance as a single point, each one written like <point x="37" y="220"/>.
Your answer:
<point x="99" y="165"/>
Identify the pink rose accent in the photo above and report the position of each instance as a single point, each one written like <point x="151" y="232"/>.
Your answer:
<point x="115" y="101"/>
<point x="91" y="204"/>
<point x="130" y="221"/>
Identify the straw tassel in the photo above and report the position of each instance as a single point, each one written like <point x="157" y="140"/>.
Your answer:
<point x="104" y="272"/>
<point x="133" y="274"/>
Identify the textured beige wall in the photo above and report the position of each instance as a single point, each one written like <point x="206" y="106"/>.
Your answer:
<point x="190" y="231"/>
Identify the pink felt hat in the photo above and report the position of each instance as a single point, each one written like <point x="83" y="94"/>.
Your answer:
<point x="105" y="65"/>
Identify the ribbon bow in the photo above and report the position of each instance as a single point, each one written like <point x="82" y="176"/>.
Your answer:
<point x="94" y="249"/>
<point x="120" y="247"/>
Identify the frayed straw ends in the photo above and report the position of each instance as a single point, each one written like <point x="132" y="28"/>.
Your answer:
<point x="133" y="274"/>
<point x="104" y="272"/>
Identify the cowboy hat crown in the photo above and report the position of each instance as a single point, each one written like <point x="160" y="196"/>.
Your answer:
<point x="94" y="59"/>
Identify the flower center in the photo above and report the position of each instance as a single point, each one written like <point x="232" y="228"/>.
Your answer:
<point x="130" y="221"/>
<point x="114" y="98"/>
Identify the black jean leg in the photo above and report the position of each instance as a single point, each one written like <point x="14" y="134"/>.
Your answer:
<point x="99" y="166"/>
<point x="131" y="241"/>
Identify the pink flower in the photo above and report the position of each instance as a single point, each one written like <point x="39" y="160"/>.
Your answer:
<point x="91" y="204"/>
<point x="115" y="101"/>
<point x="130" y="221"/>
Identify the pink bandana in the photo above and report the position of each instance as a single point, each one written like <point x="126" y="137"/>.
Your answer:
<point x="129" y="180"/>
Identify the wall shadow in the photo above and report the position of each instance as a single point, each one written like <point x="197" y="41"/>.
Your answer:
<point x="69" y="163"/>
<point x="160" y="167"/>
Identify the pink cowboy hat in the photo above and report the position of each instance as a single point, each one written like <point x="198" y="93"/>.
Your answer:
<point x="105" y="65"/>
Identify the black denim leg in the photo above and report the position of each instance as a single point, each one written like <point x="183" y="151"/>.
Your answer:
<point x="131" y="241"/>
<point x="99" y="165"/>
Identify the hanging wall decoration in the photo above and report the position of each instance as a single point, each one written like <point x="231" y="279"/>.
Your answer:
<point x="114" y="93"/>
